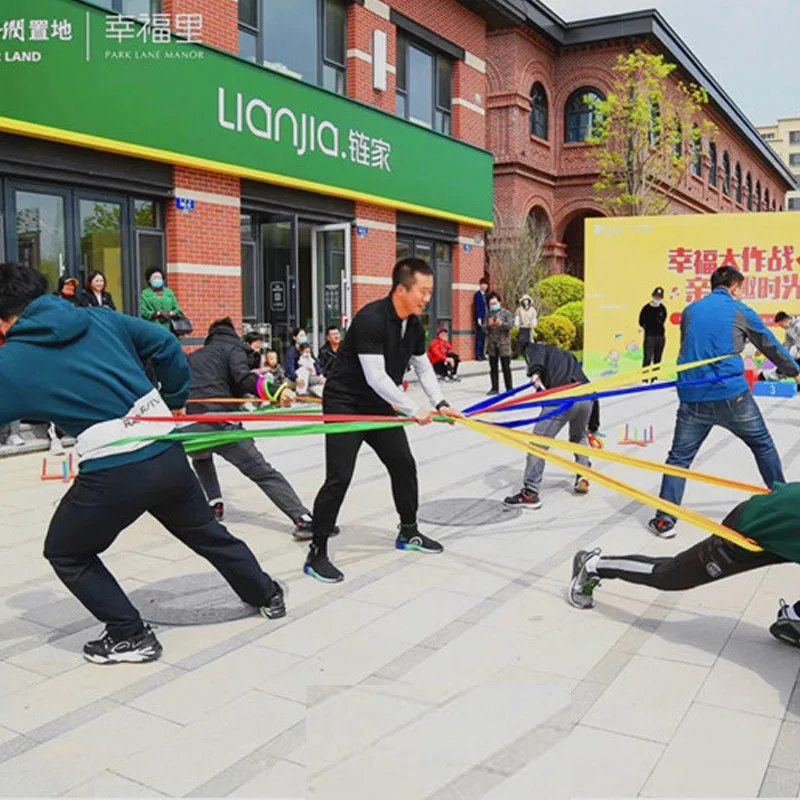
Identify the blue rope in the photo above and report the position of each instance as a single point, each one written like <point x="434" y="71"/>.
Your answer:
<point x="498" y="398"/>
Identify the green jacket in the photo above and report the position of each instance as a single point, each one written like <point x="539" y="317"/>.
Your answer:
<point x="150" y="303"/>
<point x="773" y="520"/>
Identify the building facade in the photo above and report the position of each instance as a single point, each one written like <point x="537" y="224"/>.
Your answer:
<point x="539" y="71"/>
<point x="784" y="138"/>
<point x="273" y="158"/>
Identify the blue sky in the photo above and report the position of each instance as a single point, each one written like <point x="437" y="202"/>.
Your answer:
<point x="749" y="47"/>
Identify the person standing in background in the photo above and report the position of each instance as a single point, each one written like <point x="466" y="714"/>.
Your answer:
<point x="329" y="352"/>
<point x="158" y="302"/>
<point x="95" y="294"/>
<point x="526" y="321"/>
<point x="500" y="322"/>
<point x="68" y="289"/>
<point x="652" y="318"/>
<point x="481" y="316"/>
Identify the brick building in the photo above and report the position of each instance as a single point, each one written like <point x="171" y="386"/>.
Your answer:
<point x="539" y="69"/>
<point x="274" y="158"/>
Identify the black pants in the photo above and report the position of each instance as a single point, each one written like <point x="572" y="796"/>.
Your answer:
<point x="99" y="505"/>
<point x="341" y="450"/>
<point x="443" y="369"/>
<point x="247" y="458"/>
<point x="708" y="561"/>
<point x="493" y="372"/>
<point x="653" y="350"/>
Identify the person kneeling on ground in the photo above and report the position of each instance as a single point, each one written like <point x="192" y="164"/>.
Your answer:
<point x="445" y="361"/>
<point x="772" y="520"/>
<point x="83" y="369"/>
<point x="221" y="369"/>
<point x="549" y="367"/>
<point x="308" y="377"/>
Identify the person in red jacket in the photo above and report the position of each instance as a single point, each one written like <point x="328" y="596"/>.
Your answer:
<point x="444" y="360"/>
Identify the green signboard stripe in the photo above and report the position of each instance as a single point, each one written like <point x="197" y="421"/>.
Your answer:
<point x="185" y="103"/>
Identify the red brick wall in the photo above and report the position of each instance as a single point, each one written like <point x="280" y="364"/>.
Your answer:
<point x="220" y="20"/>
<point x="449" y="19"/>
<point x="360" y="26"/>
<point x="208" y="236"/>
<point x="374" y="255"/>
<point x="468" y="267"/>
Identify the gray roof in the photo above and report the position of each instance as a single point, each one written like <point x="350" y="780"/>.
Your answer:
<point x="637" y="24"/>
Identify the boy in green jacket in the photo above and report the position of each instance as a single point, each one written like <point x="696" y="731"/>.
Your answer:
<point x="158" y="302"/>
<point x="772" y="520"/>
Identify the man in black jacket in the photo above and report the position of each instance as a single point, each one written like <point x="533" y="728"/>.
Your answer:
<point x="329" y="352"/>
<point x="549" y="367"/>
<point x="651" y="320"/>
<point x="221" y="368"/>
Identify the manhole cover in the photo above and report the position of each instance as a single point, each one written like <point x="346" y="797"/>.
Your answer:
<point x="466" y="511"/>
<point x="190" y="600"/>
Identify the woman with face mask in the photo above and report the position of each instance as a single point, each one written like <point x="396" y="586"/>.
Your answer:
<point x="68" y="289"/>
<point x="526" y="320"/>
<point x="158" y="302"/>
<point x="95" y="294"/>
<point x="500" y="323"/>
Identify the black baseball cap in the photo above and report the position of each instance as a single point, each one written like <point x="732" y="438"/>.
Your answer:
<point x="658" y="292"/>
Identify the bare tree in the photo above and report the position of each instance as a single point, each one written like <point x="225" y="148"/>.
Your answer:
<point x="517" y="260"/>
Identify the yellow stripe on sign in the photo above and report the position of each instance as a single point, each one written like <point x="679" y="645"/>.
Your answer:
<point x="700" y="521"/>
<point x="632" y="461"/>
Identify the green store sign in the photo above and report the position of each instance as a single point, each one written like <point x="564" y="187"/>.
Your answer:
<point x="74" y="73"/>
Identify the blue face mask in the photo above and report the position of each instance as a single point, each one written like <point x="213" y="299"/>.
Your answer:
<point x="157" y="283"/>
<point x="494" y="306"/>
<point x="302" y="339"/>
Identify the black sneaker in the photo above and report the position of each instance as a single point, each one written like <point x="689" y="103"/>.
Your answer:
<point x="583" y="582"/>
<point x="527" y="498"/>
<point x="662" y="527"/>
<point x="276" y="606"/>
<point x="492" y="392"/>
<point x="785" y="629"/>
<point x="136" y="650"/>
<point x="219" y="510"/>
<point x="318" y="566"/>
<point x="412" y="539"/>
<point x="303" y="529"/>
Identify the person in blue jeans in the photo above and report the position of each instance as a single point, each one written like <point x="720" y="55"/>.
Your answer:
<point x="719" y="325"/>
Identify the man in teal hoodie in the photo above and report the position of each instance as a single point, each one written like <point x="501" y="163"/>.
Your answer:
<point x="82" y="369"/>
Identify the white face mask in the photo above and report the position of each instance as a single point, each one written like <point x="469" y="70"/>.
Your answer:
<point x="655" y="302"/>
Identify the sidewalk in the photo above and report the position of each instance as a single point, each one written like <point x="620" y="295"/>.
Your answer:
<point x="465" y="675"/>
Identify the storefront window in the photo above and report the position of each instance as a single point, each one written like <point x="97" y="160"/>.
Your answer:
<point x="147" y="213"/>
<point x="305" y="38"/>
<point x="101" y="243"/>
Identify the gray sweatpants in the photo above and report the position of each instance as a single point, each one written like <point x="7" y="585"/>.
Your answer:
<point x="578" y="418"/>
<point x="247" y="458"/>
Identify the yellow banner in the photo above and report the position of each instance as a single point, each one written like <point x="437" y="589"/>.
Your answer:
<point x="628" y="257"/>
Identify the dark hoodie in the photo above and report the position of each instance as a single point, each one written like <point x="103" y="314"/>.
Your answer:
<point x="74" y="300"/>
<point x="221" y="368"/>
<point x="78" y="367"/>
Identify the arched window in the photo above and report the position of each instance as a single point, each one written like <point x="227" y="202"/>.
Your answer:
<point x="539" y="111"/>
<point x="737" y="176"/>
<point x="726" y="173"/>
<point x="678" y="138"/>
<point x="712" y="164"/>
<point x="579" y="115"/>
<point x="758" y="195"/>
<point x="766" y="200"/>
<point x="748" y="188"/>
<point x="697" y="152"/>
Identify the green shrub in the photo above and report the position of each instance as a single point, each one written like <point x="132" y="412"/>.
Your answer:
<point x="574" y="313"/>
<point x="555" y="330"/>
<point x="558" y="290"/>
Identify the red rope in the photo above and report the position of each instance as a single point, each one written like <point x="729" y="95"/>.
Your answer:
<point x="273" y="418"/>
<point x="527" y="398"/>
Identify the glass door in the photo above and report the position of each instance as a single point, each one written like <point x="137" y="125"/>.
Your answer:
<point x="279" y="250"/>
<point x="100" y="235"/>
<point x="40" y="236"/>
<point x="330" y="278"/>
<point x="149" y="253"/>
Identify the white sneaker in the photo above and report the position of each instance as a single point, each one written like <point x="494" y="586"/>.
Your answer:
<point x="56" y="448"/>
<point x="15" y="440"/>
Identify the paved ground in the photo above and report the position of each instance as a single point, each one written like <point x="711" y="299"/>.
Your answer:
<point x="464" y="675"/>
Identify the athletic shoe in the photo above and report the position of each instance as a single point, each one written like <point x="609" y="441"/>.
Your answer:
<point x="454" y="379"/>
<point x="414" y="540"/>
<point x="527" y="498"/>
<point x="56" y="447"/>
<point x="492" y="392"/>
<point x="219" y="510"/>
<point x="276" y="606"/>
<point x="662" y="527"/>
<point x="319" y="566"/>
<point x="303" y="529"/>
<point x="136" y="650"/>
<point x="583" y="583"/>
<point x="15" y="440"/>
<point x="581" y="485"/>
<point x="785" y="629"/>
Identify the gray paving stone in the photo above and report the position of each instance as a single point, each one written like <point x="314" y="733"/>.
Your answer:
<point x="472" y="785"/>
<point x="786" y="754"/>
<point x="780" y="783"/>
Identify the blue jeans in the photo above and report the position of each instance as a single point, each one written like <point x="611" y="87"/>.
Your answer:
<point x="742" y="417"/>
